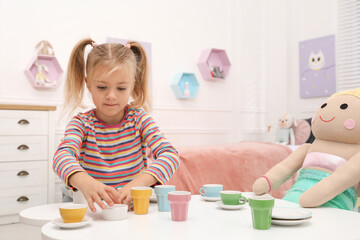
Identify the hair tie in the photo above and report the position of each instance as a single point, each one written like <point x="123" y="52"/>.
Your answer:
<point x="127" y="45"/>
<point x="268" y="180"/>
<point x="93" y="44"/>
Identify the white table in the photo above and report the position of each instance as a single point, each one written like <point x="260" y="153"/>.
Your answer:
<point x="207" y="221"/>
<point x="40" y="215"/>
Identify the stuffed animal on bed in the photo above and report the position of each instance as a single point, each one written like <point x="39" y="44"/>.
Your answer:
<point x="329" y="167"/>
<point x="285" y="130"/>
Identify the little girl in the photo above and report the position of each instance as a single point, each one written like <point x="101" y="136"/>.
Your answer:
<point x="103" y="153"/>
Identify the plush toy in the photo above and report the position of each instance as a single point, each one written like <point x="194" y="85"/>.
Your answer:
<point x="285" y="131"/>
<point x="330" y="166"/>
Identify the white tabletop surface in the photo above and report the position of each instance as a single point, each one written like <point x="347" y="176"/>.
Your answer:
<point x="207" y="221"/>
<point x="39" y="215"/>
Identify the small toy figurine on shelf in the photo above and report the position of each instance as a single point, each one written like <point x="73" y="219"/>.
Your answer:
<point x="215" y="71"/>
<point x="211" y="69"/>
<point x="45" y="48"/>
<point x="41" y="78"/>
<point x="187" y="90"/>
<point x="218" y="73"/>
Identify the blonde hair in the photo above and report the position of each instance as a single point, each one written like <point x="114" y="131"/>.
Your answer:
<point x="353" y="92"/>
<point x="110" y="55"/>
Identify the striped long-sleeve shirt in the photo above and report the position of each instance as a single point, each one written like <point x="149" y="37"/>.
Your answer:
<point x="114" y="154"/>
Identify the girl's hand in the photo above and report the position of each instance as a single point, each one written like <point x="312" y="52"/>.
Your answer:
<point x="94" y="191"/>
<point x="142" y="180"/>
<point x="125" y="194"/>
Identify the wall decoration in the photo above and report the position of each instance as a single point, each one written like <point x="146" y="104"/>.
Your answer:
<point x="145" y="45"/>
<point x="317" y="67"/>
<point x="44" y="70"/>
<point x="184" y="85"/>
<point x="214" y="64"/>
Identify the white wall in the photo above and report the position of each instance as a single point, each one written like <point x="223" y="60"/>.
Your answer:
<point x="307" y="19"/>
<point x="261" y="85"/>
<point x="178" y="31"/>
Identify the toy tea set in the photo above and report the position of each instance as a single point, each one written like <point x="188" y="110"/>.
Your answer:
<point x="262" y="207"/>
<point x="177" y="202"/>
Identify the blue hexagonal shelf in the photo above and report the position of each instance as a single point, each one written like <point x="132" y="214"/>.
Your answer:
<point x="185" y="85"/>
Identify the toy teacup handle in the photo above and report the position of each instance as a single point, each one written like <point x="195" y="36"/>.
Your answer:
<point x="202" y="192"/>
<point x="242" y="200"/>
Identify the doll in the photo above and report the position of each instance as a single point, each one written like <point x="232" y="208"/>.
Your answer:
<point x="330" y="166"/>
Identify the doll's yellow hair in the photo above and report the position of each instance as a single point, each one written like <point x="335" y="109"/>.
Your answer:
<point x="353" y="92"/>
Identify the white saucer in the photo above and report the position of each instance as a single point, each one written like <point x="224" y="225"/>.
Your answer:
<point x="251" y="194"/>
<point x="228" y="207"/>
<point x="290" y="213"/>
<point x="289" y="222"/>
<point x="211" y="199"/>
<point x="60" y="223"/>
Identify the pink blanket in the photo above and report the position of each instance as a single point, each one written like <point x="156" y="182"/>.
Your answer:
<point x="235" y="165"/>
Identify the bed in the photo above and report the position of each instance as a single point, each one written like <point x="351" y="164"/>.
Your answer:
<point x="234" y="165"/>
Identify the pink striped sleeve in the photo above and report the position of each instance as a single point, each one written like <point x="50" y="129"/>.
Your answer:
<point x="66" y="157"/>
<point x="166" y="157"/>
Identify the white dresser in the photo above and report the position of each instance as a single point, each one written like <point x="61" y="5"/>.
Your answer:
<point x="26" y="152"/>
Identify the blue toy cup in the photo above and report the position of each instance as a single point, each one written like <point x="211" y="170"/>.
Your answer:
<point x="211" y="190"/>
<point x="161" y="192"/>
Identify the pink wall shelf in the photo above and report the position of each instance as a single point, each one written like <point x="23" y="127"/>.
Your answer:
<point x="214" y="64"/>
<point x="44" y="71"/>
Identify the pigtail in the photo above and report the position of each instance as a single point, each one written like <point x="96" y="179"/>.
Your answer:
<point x="141" y="94"/>
<point x="75" y="78"/>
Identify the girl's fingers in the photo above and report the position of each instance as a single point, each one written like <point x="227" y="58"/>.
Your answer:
<point x="98" y="200"/>
<point x="113" y="193"/>
<point x="131" y="207"/>
<point x="91" y="204"/>
<point x="107" y="199"/>
<point x="122" y="197"/>
<point x="128" y="199"/>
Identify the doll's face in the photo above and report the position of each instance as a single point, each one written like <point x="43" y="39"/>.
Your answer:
<point x="338" y="120"/>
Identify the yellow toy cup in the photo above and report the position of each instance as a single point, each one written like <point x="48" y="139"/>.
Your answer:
<point x="72" y="213"/>
<point x="141" y="199"/>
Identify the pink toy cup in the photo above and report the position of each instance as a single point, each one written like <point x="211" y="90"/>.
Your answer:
<point x="179" y="204"/>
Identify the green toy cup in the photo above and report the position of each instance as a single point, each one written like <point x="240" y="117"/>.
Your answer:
<point x="261" y="210"/>
<point x="229" y="197"/>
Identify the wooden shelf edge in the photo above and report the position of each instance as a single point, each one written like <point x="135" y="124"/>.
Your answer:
<point x="27" y="107"/>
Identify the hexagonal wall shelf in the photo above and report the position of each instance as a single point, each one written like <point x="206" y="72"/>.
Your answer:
<point x="214" y="64"/>
<point x="185" y="85"/>
<point x="44" y="71"/>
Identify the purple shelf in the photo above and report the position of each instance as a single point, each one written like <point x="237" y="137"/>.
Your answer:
<point x="44" y="71"/>
<point x="214" y="64"/>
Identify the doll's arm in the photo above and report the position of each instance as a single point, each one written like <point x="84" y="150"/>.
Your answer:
<point x="281" y="171"/>
<point x="346" y="176"/>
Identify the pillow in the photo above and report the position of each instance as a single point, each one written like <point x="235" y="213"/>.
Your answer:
<point x="302" y="131"/>
<point x="312" y="137"/>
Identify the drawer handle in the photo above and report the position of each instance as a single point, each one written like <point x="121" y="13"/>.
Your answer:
<point x="23" y="122"/>
<point x="23" y="147"/>
<point x="22" y="199"/>
<point x="23" y="173"/>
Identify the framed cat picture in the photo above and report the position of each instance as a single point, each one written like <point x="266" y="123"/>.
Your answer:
<point x="317" y="67"/>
